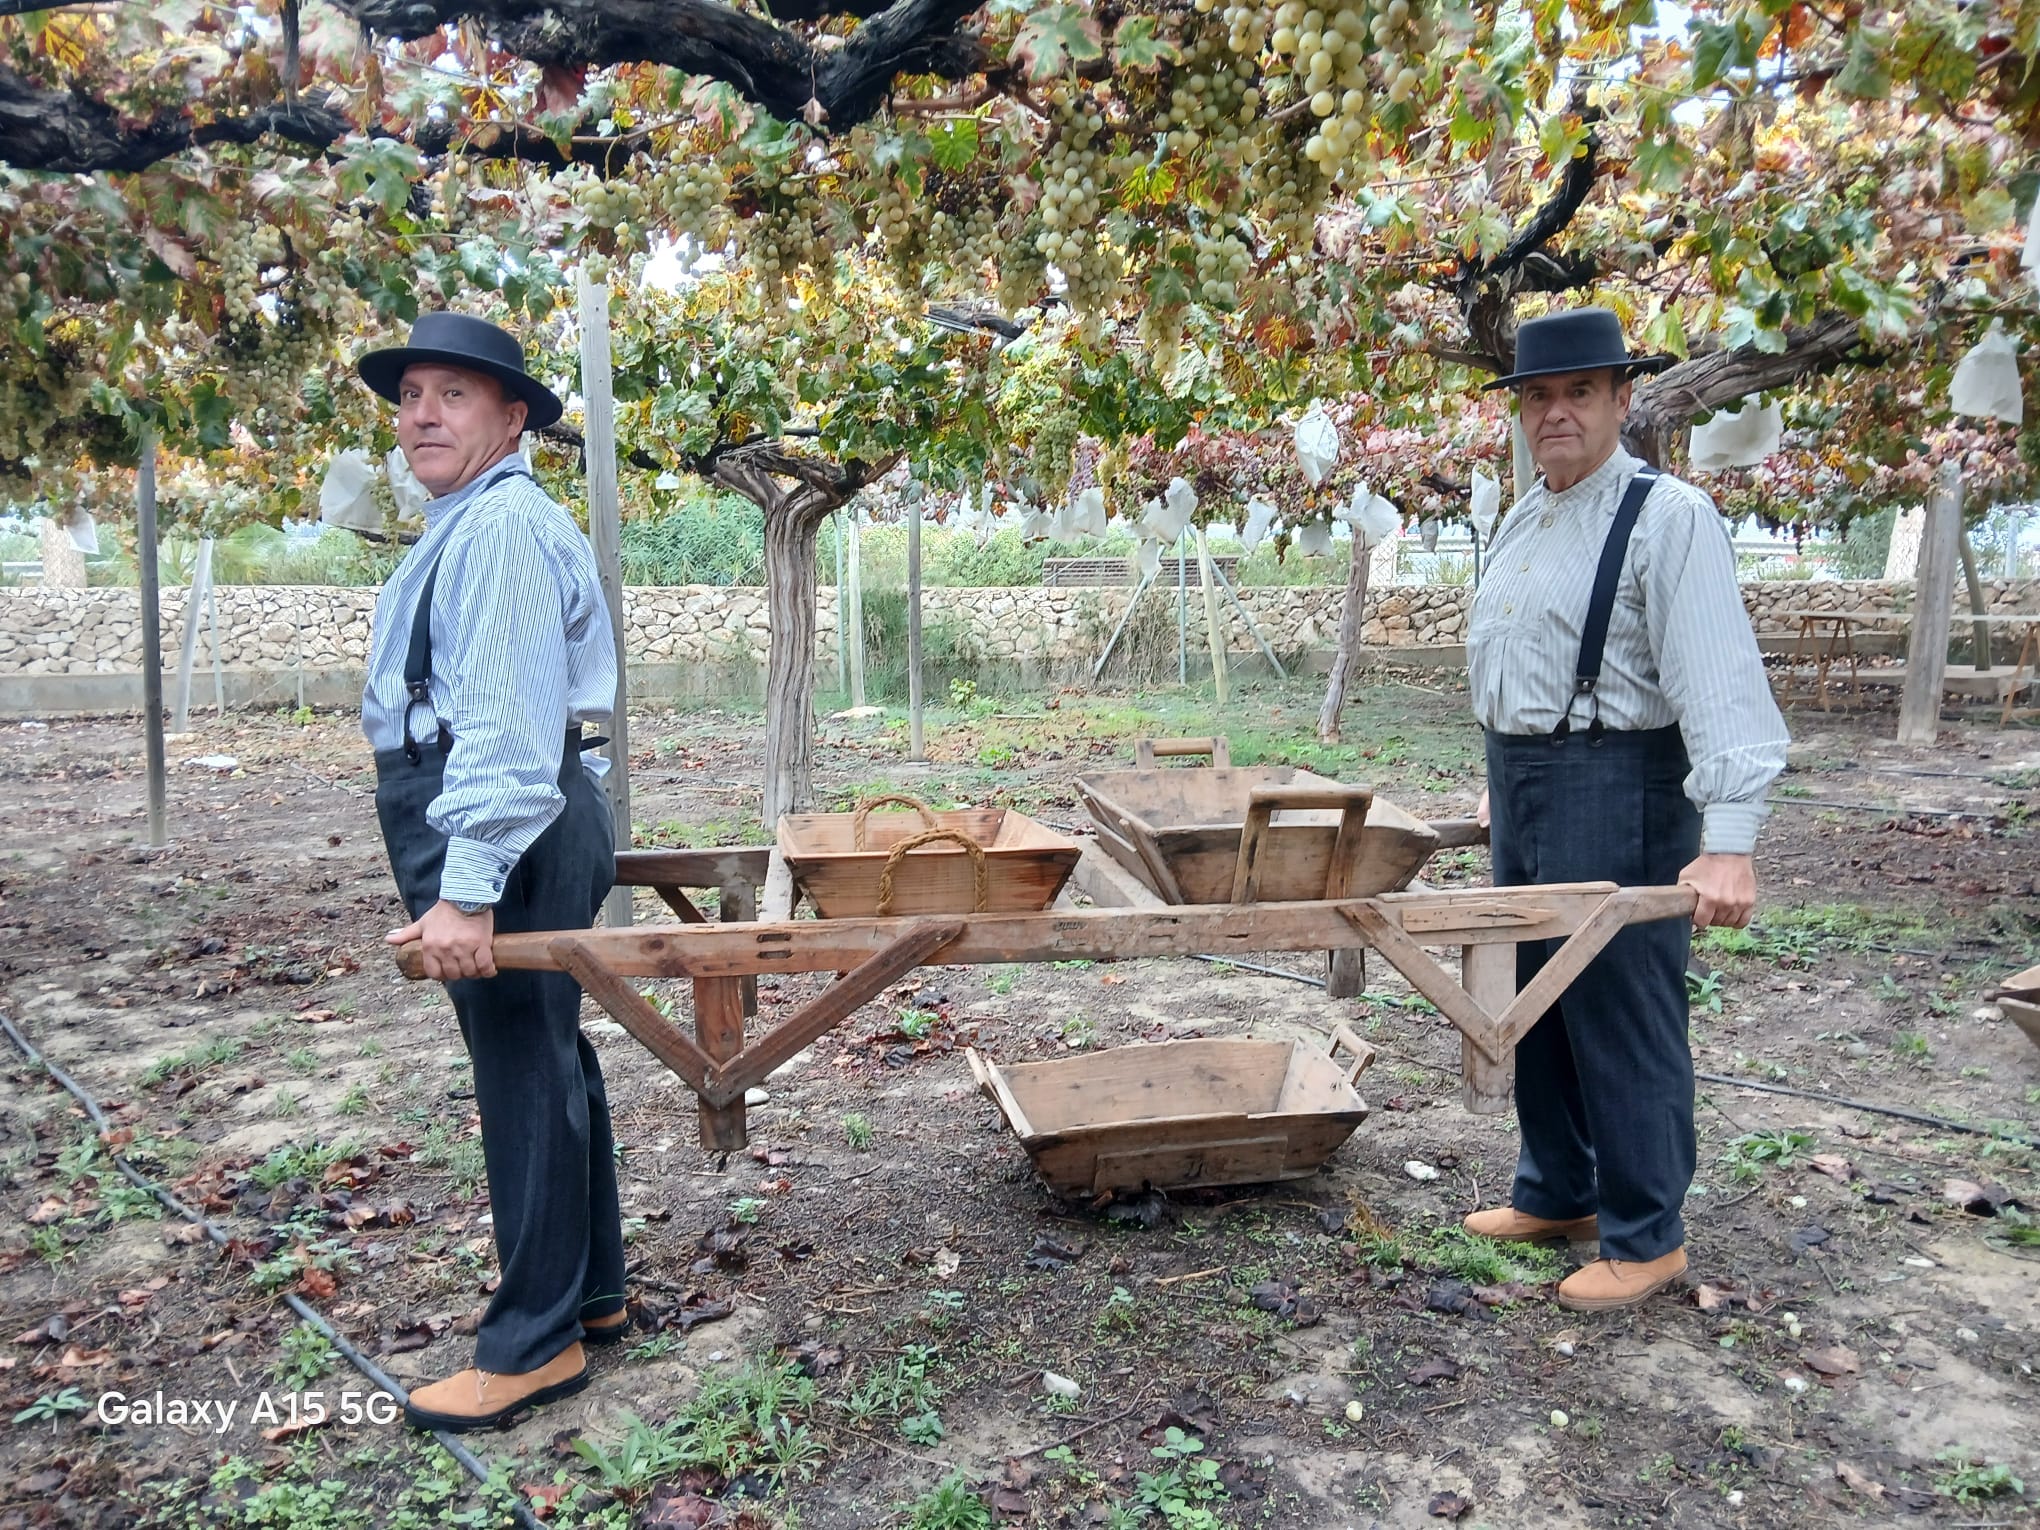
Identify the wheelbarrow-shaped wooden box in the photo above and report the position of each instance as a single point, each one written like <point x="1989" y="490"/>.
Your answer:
<point x="965" y="861"/>
<point x="1180" y="1114"/>
<point x="2020" y="1000"/>
<point x="1260" y="834"/>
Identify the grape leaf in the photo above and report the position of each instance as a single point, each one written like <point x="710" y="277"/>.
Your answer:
<point x="1867" y="74"/>
<point x="954" y="144"/>
<point x="1138" y="46"/>
<point x="1055" y="37"/>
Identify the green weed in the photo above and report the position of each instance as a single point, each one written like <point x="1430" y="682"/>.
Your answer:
<point x="52" y="1406"/>
<point x="307" y="1355"/>
<point x="1912" y="1045"/>
<point x="1749" y="1155"/>
<point x="950" y="1505"/>
<point x="857" y="1132"/>
<point x="1704" y="992"/>
<point x="1973" y="1480"/>
<point x="193" y="1061"/>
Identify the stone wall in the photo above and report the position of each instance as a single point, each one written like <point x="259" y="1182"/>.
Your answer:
<point x="281" y="628"/>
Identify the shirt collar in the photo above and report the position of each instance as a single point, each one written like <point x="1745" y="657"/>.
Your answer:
<point x="512" y="461"/>
<point x="1595" y="484"/>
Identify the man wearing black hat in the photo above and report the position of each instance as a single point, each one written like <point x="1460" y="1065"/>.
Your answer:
<point x="1631" y="737"/>
<point x="492" y="646"/>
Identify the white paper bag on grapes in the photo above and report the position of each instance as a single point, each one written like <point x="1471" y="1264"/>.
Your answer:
<point x="1487" y="504"/>
<point x="1149" y="558"/>
<point x="1317" y="444"/>
<point x="1314" y="540"/>
<point x="1260" y="518"/>
<point x="1066" y="521"/>
<point x="1373" y="519"/>
<point x="2029" y="258"/>
<point x="1036" y="525"/>
<point x="1737" y="440"/>
<point x="1986" y="382"/>
<point x="1164" y="519"/>
<point x="410" y="493"/>
<point x="347" y="493"/>
<point x="1089" y="513"/>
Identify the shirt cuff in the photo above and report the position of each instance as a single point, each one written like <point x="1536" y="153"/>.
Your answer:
<point x="1730" y="828"/>
<point x="475" y="871"/>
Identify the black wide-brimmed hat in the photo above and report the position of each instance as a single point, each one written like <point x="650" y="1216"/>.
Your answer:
<point x="457" y="340"/>
<point x="1581" y="340"/>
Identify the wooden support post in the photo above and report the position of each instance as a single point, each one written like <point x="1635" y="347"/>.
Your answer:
<point x="1488" y="974"/>
<point x="1216" y="628"/>
<point x="605" y="534"/>
<point x="1346" y="973"/>
<point x="187" y="652"/>
<point x="740" y="905"/>
<point x="1926" y="658"/>
<point x="856" y="607"/>
<point x="917" y="736"/>
<point x="719" y="1029"/>
<point x="842" y="612"/>
<point x="152" y="639"/>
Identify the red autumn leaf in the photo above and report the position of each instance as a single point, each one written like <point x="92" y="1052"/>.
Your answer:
<point x="318" y="1284"/>
<point x="559" y="87"/>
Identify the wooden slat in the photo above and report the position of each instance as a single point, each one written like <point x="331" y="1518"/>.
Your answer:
<point x="835" y="945"/>
<point x="994" y="1084"/>
<point x="1619" y="910"/>
<point x="691" y="868"/>
<point x="1488" y="974"/>
<point x="628" y="1008"/>
<point x="1474" y="915"/>
<point x="719" y="1027"/>
<point x="740" y="906"/>
<point x="1427" y="977"/>
<point x="681" y="904"/>
<point x="778" y="891"/>
<point x="1458" y="833"/>
<point x="919" y="941"/>
<point x="1102" y="878"/>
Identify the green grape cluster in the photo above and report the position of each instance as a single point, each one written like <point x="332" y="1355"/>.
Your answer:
<point x="240" y="280"/>
<point x="1287" y="194"/>
<point x="1077" y="171"/>
<point x="620" y="206"/>
<point x="1246" y="26"/>
<point x="1023" y="268"/>
<point x="1213" y="95"/>
<point x="1331" y="51"/>
<point x="691" y="196"/>
<point x="966" y="241"/>
<point x="900" y="231"/>
<point x="1224" y="253"/>
<point x="1161" y="336"/>
<point x="783" y="236"/>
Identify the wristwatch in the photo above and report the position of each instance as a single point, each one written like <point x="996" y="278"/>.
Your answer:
<point x="471" y="909"/>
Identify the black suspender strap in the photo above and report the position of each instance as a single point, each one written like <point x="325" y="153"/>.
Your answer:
<point x="418" y="657"/>
<point x="1601" y="606"/>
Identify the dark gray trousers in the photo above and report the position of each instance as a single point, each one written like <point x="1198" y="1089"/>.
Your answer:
<point x="1604" y="1081"/>
<point x="545" y="1118"/>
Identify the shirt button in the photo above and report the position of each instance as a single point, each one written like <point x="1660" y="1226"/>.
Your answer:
<point x="1526" y="568"/>
<point x="1508" y="610"/>
<point x="1545" y="519"/>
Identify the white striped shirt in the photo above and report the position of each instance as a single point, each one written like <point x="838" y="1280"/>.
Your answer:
<point x="1680" y="646"/>
<point x="521" y="651"/>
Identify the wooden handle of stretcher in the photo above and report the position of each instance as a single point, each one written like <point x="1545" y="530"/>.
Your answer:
<point x="1352" y="803"/>
<point x="1147" y="750"/>
<point x="1458" y="833"/>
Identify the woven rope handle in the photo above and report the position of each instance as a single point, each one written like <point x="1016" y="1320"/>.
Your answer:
<point x="981" y="871"/>
<point x="857" y="819"/>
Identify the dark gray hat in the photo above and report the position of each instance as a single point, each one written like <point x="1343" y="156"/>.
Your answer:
<point x="1582" y="340"/>
<point x="457" y="340"/>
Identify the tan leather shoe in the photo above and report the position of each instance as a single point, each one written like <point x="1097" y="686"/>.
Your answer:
<point x="1609" y="1283"/>
<point x="1505" y="1224"/>
<point x="611" y="1329"/>
<point x="482" y="1400"/>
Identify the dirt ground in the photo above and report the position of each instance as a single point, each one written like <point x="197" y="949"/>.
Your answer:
<point x="836" y="1323"/>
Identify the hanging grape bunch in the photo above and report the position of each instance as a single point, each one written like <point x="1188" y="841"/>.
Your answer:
<point x="690" y="195"/>
<point x="1023" y="269"/>
<point x="897" y="222"/>
<point x="619" y="207"/>
<point x="1077" y="173"/>
<point x="1213" y="97"/>
<point x="1332" y="52"/>
<point x="963" y="231"/>
<point x="783" y="236"/>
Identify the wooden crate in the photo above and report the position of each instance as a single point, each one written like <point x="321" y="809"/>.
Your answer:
<point x="2020" y="1000"/>
<point x="1180" y="1114"/>
<point x="841" y="870"/>
<point x="1194" y="835"/>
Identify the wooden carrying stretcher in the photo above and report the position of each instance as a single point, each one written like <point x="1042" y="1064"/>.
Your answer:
<point x="719" y="1061"/>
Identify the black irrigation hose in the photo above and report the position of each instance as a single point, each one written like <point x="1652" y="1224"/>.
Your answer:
<point x="451" y="1444"/>
<point x="1877" y="1110"/>
<point x="1281" y="972"/>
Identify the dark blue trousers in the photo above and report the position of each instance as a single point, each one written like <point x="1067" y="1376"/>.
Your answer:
<point x="1604" y="1081"/>
<point x="545" y="1117"/>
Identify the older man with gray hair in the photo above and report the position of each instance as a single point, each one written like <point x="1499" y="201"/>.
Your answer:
<point x="1631" y="737"/>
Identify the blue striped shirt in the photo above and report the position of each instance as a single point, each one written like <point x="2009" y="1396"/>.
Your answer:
<point x="522" y="650"/>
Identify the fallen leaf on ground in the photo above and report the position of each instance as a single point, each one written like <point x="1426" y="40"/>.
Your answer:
<point x="1010" y="1501"/>
<point x="1836" y="1360"/>
<point x="52" y="1209"/>
<point x="1047" y="1254"/>
<point x="1833" y="1165"/>
<point x="295" y="1427"/>
<point x="1860" y="1480"/>
<point x="544" y="1497"/>
<point x="1436" y="1369"/>
<point x="1710" y="1298"/>
<point x="1450" y="1506"/>
<point x="1978" y="1200"/>
<point x="1285" y="1299"/>
<point x="318" y="1284"/>
<point x="946" y="1262"/>
<point x="85" y="1359"/>
<point x="690" y="1317"/>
